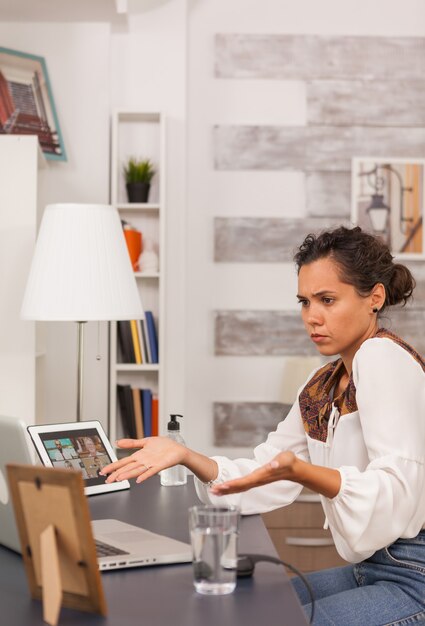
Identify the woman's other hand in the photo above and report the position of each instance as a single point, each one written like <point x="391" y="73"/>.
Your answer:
<point x="279" y="468"/>
<point x="286" y="466"/>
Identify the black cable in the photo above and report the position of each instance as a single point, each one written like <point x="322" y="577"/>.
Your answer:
<point x="246" y="565"/>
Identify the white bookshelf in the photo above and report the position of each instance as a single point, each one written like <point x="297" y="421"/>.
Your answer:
<point x="142" y="135"/>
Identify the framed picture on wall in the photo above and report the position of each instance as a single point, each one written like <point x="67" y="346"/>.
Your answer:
<point x="388" y="200"/>
<point x="26" y="101"/>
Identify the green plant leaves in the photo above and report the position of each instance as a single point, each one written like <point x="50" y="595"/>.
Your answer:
<point x="139" y="171"/>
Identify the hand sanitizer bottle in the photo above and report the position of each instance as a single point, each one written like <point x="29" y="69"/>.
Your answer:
<point x="176" y="475"/>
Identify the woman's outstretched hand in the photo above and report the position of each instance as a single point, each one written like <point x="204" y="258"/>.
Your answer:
<point x="286" y="466"/>
<point x="153" y="455"/>
<point x="279" y="468"/>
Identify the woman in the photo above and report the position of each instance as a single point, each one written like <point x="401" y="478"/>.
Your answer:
<point x="90" y="447"/>
<point x="355" y="435"/>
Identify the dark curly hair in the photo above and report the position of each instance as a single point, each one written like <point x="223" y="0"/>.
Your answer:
<point x="363" y="261"/>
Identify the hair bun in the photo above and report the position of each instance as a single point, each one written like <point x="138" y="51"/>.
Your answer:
<point x="401" y="285"/>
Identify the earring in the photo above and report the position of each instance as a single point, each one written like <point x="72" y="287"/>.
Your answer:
<point x="375" y="310"/>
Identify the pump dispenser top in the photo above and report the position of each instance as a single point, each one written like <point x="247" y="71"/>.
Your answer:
<point x="173" y="476"/>
<point x="173" y="424"/>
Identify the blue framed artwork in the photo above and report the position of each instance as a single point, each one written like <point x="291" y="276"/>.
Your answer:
<point x="26" y="101"/>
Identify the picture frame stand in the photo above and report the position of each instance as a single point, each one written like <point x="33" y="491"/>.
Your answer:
<point x="50" y="575"/>
<point x="58" y="548"/>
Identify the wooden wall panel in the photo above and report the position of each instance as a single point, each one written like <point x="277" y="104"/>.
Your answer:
<point x="262" y="240"/>
<point x="329" y="194"/>
<point x="282" y="333"/>
<point x="255" y="333"/>
<point x="310" y="147"/>
<point x="366" y="103"/>
<point x="246" y="423"/>
<point x="298" y="57"/>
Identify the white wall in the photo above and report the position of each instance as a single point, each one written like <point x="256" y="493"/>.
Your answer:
<point x="95" y="68"/>
<point x="80" y="85"/>
<point x="212" y="193"/>
<point x="18" y="224"/>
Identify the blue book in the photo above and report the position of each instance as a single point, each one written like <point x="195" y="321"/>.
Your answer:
<point x="146" y="397"/>
<point x="152" y="336"/>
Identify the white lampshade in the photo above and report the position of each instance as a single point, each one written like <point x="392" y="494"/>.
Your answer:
<point x="81" y="268"/>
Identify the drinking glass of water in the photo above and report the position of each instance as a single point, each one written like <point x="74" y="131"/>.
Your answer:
<point x="214" y="537"/>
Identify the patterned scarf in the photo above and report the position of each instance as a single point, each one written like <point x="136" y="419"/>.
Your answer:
<point x="315" y="399"/>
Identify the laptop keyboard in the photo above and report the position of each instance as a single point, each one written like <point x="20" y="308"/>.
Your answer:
<point x="103" y="549"/>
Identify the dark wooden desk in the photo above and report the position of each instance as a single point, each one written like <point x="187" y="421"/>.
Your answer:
<point x="163" y="595"/>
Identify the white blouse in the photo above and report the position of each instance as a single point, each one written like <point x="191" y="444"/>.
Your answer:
<point x="379" y="451"/>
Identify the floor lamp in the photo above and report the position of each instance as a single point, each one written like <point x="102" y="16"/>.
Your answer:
<point x="81" y="271"/>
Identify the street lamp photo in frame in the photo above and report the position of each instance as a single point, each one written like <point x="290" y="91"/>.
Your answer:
<point x="388" y="200"/>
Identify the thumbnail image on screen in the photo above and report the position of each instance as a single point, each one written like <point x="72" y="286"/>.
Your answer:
<point x="82" y="451"/>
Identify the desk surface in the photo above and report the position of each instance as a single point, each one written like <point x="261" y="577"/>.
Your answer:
<point x="163" y="595"/>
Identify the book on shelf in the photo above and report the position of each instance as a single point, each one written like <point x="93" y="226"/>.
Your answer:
<point x="136" y="341"/>
<point x="125" y="342"/>
<point x="139" y="411"/>
<point x="126" y="407"/>
<point x="145" y="341"/>
<point x="152" y="336"/>
<point x="146" y="395"/>
<point x="155" y="416"/>
<point x="142" y="340"/>
<point x="138" y="414"/>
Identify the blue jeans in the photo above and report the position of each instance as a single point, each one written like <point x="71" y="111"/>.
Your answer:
<point x="388" y="589"/>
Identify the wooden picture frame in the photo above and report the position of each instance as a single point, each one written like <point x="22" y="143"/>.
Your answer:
<point x="27" y="106"/>
<point x="57" y="543"/>
<point x="388" y="199"/>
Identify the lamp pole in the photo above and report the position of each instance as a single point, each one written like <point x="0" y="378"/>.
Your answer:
<point x="403" y="190"/>
<point x="80" y="364"/>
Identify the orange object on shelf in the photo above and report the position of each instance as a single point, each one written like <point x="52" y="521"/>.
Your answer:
<point x="134" y="245"/>
<point x="155" y="417"/>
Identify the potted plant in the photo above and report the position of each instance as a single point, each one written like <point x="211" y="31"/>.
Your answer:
<point x="138" y="175"/>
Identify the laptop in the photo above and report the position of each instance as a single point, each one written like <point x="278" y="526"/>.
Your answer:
<point x="119" y="545"/>
<point x="15" y="447"/>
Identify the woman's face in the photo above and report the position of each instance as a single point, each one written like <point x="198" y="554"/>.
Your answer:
<point x="336" y="318"/>
<point x="90" y="447"/>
